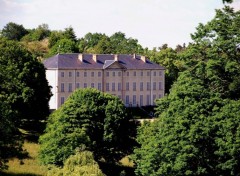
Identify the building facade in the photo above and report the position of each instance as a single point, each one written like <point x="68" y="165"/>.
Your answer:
<point x="134" y="79"/>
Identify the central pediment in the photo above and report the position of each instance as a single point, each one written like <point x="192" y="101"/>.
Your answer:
<point x="112" y="64"/>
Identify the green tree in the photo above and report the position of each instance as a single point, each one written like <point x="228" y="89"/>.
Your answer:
<point x="193" y="135"/>
<point x="82" y="163"/>
<point x="13" y="31"/>
<point x="63" y="46"/>
<point x="88" y="117"/>
<point x="23" y="82"/>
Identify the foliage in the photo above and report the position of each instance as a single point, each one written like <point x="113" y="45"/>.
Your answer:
<point x="23" y="83"/>
<point x="10" y="144"/>
<point x="63" y="46"/>
<point x="13" y="31"/>
<point x="38" y="34"/>
<point x="88" y="117"/>
<point x="82" y="163"/>
<point x="195" y="134"/>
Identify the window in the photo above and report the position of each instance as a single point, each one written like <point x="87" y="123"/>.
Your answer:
<point x="141" y="86"/>
<point x="78" y="74"/>
<point x="127" y="73"/>
<point x="119" y="86"/>
<point x="85" y="85"/>
<point x="141" y="100"/>
<point x="127" y="86"/>
<point x="69" y="74"/>
<point x="70" y="87"/>
<point x="141" y="73"/>
<point x="119" y="74"/>
<point x="77" y="85"/>
<point x="134" y="86"/>
<point x="160" y="85"/>
<point x="107" y="74"/>
<point x="92" y="74"/>
<point x="85" y="74"/>
<point x="113" y="86"/>
<point x="113" y="73"/>
<point x="62" y="87"/>
<point x="92" y="85"/>
<point x="154" y="85"/>
<point x="134" y="99"/>
<point x="148" y="86"/>
<point x="62" y="74"/>
<point x="160" y="73"/>
<point x="148" y="73"/>
<point x="127" y="99"/>
<point x="154" y="98"/>
<point x="134" y="74"/>
<point x="62" y="100"/>
<point x="154" y="74"/>
<point x="119" y="96"/>
<point x="99" y="86"/>
<point x="99" y="74"/>
<point x="160" y="96"/>
<point x="107" y="86"/>
<point x="148" y="99"/>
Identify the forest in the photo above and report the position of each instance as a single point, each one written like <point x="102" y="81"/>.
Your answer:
<point x="197" y="126"/>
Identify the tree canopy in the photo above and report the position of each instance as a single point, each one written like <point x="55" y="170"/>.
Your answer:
<point x="90" y="117"/>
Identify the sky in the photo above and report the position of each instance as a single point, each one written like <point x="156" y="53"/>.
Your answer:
<point x="152" y="22"/>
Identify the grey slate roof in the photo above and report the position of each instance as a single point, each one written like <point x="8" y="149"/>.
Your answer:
<point x="71" y="61"/>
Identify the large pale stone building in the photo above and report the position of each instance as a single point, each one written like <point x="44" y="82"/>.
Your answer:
<point x="134" y="79"/>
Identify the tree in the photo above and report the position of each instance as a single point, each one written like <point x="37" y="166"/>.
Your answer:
<point x="88" y="117"/>
<point x="194" y="134"/>
<point x="13" y="31"/>
<point x="23" y="82"/>
<point x="63" y="46"/>
<point x="82" y="163"/>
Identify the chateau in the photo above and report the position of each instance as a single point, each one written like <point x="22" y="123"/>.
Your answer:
<point x="133" y="78"/>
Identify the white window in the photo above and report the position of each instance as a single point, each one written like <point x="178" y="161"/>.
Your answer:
<point x="62" y="74"/>
<point x="154" y="85"/>
<point x="70" y="87"/>
<point x="160" y="73"/>
<point x="92" y="85"/>
<point x="77" y="85"/>
<point x="99" y="74"/>
<point x="113" y="74"/>
<point x="119" y="73"/>
<point x="134" y="74"/>
<point x="92" y="74"/>
<point x="99" y="86"/>
<point x="134" y="86"/>
<point x="127" y="99"/>
<point x="141" y="100"/>
<point x="78" y="74"/>
<point x="154" y="74"/>
<point x="127" y="73"/>
<point x="134" y="100"/>
<point x="148" y="86"/>
<point x="85" y="74"/>
<point x="70" y="74"/>
<point x="141" y="86"/>
<point x="160" y="85"/>
<point x="148" y="73"/>
<point x="113" y="86"/>
<point x="141" y="73"/>
<point x="127" y="85"/>
<point x="62" y="87"/>
<point x="119" y="86"/>
<point x="107" y="74"/>
<point x="148" y="99"/>
<point x="85" y="85"/>
<point x="62" y="100"/>
<point x="107" y="86"/>
<point x="160" y="96"/>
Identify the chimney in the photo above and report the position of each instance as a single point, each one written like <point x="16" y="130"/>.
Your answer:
<point x="80" y="57"/>
<point x="143" y="58"/>
<point x="116" y="57"/>
<point x="134" y="56"/>
<point x="94" y="57"/>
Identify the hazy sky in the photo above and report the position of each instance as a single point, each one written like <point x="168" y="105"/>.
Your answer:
<point x="152" y="22"/>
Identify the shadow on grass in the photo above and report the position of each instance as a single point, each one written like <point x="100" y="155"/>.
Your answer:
<point x="17" y="174"/>
<point x="116" y="170"/>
